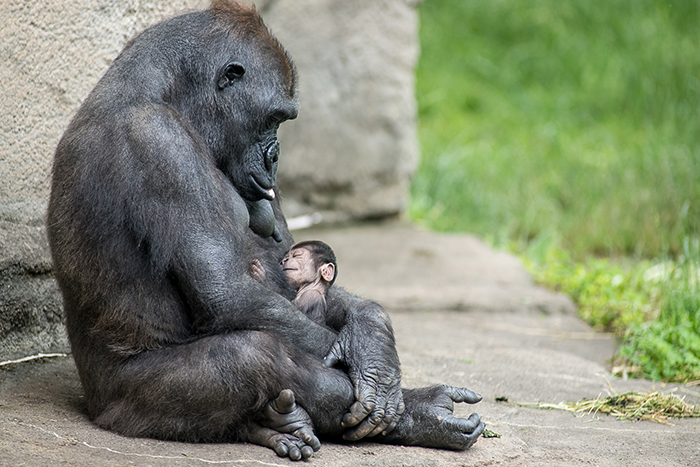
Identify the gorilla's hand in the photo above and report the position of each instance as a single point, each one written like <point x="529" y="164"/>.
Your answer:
<point x="286" y="428"/>
<point x="429" y="420"/>
<point x="368" y="352"/>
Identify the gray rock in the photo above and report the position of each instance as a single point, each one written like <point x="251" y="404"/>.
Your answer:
<point x="353" y="148"/>
<point x="52" y="53"/>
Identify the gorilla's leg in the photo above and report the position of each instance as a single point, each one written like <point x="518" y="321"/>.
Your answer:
<point x="216" y="389"/>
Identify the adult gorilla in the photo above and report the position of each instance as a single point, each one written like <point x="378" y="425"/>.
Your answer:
<point x="162" y="195"/>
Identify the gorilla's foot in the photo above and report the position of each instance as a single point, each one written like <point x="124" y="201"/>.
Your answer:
<point x="286" y="428"/>
<point x="429" y="421"/>
<point x="284" y="444"/>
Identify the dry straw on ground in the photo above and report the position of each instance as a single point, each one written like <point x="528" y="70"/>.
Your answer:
<point x="654" y="406"/>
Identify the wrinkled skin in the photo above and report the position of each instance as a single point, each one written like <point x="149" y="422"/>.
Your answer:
<point x="431" y="409"/>
<point x="162" y="189"/>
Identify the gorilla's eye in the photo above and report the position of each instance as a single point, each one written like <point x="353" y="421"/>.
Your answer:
<point x="233" y="72"/>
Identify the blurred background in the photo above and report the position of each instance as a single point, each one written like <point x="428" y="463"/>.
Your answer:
<point x="569" y="133"/>
<point x="575" y="120"/>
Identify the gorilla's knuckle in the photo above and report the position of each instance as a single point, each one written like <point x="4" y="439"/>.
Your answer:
<point x="371" y="374"/>
<point x="369" y="406"/>
<point x="376" y="417"/>
<point x="401" y="408"/>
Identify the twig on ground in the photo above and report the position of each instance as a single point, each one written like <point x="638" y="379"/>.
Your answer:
<point x="33" y="357"/>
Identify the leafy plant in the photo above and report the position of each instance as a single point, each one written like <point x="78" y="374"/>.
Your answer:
<point x="654" y="308"/>
<point x="609" y="297"/>
<point x="669" y="347"/>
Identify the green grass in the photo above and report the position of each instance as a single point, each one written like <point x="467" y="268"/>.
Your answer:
<point x="610" y="297"/>
<point x="570" y="131"/>
<point x="580" y="118"/>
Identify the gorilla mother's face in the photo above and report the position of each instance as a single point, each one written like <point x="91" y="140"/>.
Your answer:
<point x="255" y="93"/>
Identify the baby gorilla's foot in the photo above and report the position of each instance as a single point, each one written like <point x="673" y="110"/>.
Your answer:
<point x="286" y="428"/>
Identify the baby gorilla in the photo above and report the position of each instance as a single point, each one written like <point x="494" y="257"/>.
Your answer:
<point x="311" y="268"/>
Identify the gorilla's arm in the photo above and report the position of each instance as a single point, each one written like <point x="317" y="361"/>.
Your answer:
<point x="209" y="257"/>
<point x="217" y="285"/>
<point x="366" y="347"/>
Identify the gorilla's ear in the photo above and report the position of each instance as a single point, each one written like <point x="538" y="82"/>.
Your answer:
<point x="231" y="73"/>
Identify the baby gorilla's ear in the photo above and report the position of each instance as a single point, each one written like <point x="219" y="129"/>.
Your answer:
<point x="327" y="272"/>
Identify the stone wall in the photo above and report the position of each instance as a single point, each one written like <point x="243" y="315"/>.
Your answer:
<point x="352" y="150"/>
<point x="349" y="155"/>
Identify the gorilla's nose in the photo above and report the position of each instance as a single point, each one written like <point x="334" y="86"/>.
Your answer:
<point x="272" y="155"/>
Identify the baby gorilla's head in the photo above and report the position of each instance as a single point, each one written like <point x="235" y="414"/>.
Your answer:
<point x="308" y="262"/>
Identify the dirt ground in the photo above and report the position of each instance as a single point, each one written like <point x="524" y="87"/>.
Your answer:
<point x="464" y="314"/>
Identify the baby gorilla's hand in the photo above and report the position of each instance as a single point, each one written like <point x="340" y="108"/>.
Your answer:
<point x="286" y="428"/>
<point x="258" y="272"/>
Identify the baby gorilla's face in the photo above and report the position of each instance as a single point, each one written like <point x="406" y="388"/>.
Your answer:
<point x="298" y="266"/>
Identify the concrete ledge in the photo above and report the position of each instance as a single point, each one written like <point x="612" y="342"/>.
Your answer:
<point x="525" y="357"/>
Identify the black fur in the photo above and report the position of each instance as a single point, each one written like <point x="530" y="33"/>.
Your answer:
<point x="152" y="233"/>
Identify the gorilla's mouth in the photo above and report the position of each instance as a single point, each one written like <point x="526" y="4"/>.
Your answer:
<point x="264" y="189"/>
